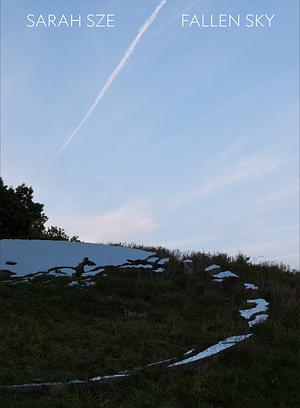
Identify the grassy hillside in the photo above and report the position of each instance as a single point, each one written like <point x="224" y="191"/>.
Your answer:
<point x="50" y="331"/>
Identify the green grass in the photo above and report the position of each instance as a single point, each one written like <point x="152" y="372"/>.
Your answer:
<point x="54" y="332"/>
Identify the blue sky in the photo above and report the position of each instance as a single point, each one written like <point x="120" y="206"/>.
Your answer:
<point x="194" y="146"/>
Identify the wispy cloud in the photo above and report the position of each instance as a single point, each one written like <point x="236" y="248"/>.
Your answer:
<point x="132" y="221"/>
<point x="278" y="196"/>
<point x="260" y="205"/>
<point x="229" y="152"/>
<point x="241" y="172"/>
<point x="150" y="20"/>
<point x="136" y="219"/>
<point x="212" y="240"/>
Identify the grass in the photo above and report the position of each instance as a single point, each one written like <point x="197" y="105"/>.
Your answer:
<point x="54" y="332"/>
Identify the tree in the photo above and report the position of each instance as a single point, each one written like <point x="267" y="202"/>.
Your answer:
<point x="59" y="234"/>
<point x="21" y="217"/>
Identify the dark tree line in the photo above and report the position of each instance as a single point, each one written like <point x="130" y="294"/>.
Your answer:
<point x="22" y="218"/>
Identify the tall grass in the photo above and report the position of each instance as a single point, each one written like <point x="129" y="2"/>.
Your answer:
<point x="51" y="331"/>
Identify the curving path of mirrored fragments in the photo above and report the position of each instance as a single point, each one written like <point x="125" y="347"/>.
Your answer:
<point x="254" y="315"/>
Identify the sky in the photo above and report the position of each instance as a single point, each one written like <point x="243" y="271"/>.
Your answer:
<point x="194" y="144"/>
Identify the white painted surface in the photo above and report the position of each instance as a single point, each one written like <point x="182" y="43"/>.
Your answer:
<point x="261" y="306"/>
<point x="225" y="274"/>
<point x="211" y="268"/>
<point x="40" y="255"/>
<point x="258" y="319"/>
<point x="163" y="261"/>
<point x="215" y="349"/>
<point x="250" y="286"/>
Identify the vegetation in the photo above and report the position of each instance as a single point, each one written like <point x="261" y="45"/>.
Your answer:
<point x="57" y="332"/>
<point x="21" y="217"/>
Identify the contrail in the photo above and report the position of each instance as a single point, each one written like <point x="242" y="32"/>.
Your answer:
<point x="150" y="20"/>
